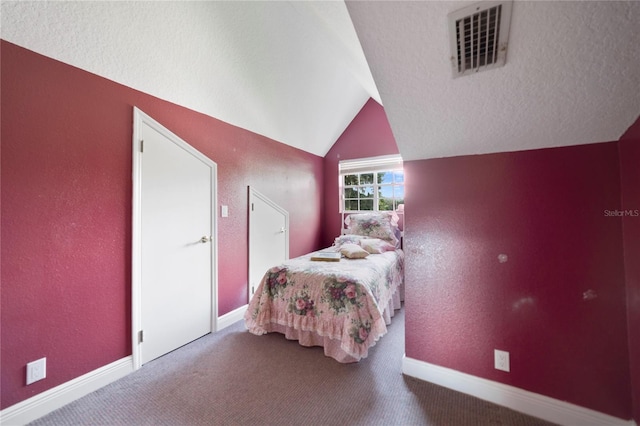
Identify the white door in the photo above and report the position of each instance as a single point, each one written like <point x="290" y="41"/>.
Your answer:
<point x="175" y="226"/>
<point x="268" y="237"/>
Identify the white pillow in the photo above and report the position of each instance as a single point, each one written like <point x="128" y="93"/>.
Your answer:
<point x="353" y="251"/>
<point x="376" y="245"/>
<point x="347" y="239"/>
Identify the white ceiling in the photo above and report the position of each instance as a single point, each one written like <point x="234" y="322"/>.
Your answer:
<point x="572" y="76"/>
<point x="295" y="71"/>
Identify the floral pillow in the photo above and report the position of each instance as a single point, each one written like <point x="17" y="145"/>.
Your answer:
<point x="353" y="251"/>
<point x="376" y="245"/>
<point x="382" y="225"/>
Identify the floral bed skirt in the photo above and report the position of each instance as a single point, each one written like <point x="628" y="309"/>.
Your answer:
<point x="342" y="306"/>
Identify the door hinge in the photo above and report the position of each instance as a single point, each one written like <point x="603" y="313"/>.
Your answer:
<point x="252" y="206"/>
<point x="253" y="289"/>
<point x="140" y="336"/>
<point x="141" y="145"/>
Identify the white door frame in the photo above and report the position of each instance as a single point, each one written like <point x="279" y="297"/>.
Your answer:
<point x="140" y="118"/>
<point x="255" y="193"/>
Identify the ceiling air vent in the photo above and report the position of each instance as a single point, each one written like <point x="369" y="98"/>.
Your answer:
<point x="479" y="36"/>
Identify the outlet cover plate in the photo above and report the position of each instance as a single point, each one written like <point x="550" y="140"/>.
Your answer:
<point x="36" y="370"/>
<point x="501" y="360"/>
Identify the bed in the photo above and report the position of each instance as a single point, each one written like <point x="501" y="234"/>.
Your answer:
<point x="344" y="305"/>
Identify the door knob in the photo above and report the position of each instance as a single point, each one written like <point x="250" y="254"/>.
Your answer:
<point x="205" y="239"/>
<point x="282" y="230"/>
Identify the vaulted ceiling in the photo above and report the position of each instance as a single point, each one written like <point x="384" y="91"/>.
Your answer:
<point x="299" y="72"/>
<point x="291" y="71"/>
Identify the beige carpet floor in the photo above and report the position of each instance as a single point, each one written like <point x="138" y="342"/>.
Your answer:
<point x="235" y="378"/>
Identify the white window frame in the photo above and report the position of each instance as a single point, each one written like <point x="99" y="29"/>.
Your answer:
<point x="385" y="163"/>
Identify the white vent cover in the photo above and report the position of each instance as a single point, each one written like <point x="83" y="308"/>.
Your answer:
<point x="479" y="35"/>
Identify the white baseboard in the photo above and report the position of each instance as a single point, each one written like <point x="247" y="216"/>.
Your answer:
<point x="517" y="399"/>
<point x="48" y="401"/>
<point x="231" y="317"/>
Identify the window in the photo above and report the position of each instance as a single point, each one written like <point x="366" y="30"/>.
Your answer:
<point x="373" y="184"/>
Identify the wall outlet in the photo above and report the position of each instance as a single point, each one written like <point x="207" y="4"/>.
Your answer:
<point x="501" y="360"/>
<point x="36" y="370"/>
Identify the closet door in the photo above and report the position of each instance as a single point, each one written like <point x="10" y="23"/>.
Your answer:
<point x="177" y="241"/>
<point x="268" y="237"/>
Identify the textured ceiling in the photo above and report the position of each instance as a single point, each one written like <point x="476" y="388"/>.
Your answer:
<point x="572" y="76"/>
<point x="292" y="71"/>
<point x="296" y="71"/>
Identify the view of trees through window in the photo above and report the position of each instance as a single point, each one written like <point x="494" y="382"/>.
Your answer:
<point x="373" y="191"/>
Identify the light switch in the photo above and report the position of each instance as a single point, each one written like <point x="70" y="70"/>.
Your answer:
<point x="224" y="211"/>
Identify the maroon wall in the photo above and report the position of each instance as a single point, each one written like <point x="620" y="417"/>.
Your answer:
<point x="557" y="303"/>
<point x="368" y="135"/>
<point x="629" y="147"/>
<point x="66" y="212"/>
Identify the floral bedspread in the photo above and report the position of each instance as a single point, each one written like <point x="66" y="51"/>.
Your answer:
<point x="343" y="301"/>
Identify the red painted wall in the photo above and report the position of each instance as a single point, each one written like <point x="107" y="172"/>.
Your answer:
<point x="368" y="135"/>
<point x="557" y="303"/>
<point x="629" y="147"/>
<point x="66" y="212"/>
